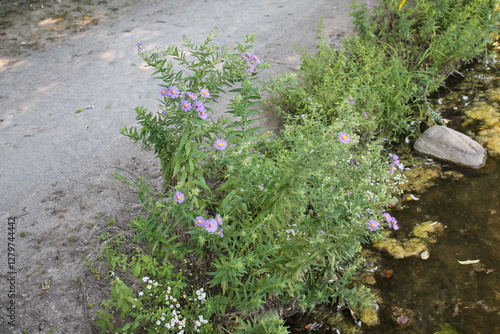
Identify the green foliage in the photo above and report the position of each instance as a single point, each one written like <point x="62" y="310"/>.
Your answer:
<point x="259" y="221"/>
<point x="268" y="324"/>
<point x="394" y="61"/>
<point x="447" y="329"/>
<point x="248" y="223"/>
<point x="438" y="35"/>
<point x="160" y="303"/>
<point x="180" y="138"/>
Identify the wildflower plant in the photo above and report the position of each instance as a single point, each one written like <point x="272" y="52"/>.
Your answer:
<point x="162" y="303"/>
<point x="184" y="128"/>
<point x="256" y="221"/>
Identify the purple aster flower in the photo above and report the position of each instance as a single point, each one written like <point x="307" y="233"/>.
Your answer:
<point x="351" y="100"/>
<point x="192" y="96"/>
<point x="261" y="187"/>
<point x="205" y="93"/>
<point x="344" y="138"/>
<point x="173" y="92"/>
<point x="394" y="225"/>
<point x="163" y="91"/>
<point x="140" y="46"/>
<point x="186" y="105"/>
<point x="179" y="197"/>
<point x="203" y="114"/>
<point x="388" y="217"/>
<point x="395" y="159"/>
<point x="200" y="221"/>
<point x="220" y="144"/>
<point x="373" y="225"/>
<point x="251" y="61"/>
<point x="365" y="114"/>
<point x="198" y="106"/>
<point x="253" y="57"/>
<point x="218" y="219"/>
<point x="221" y="233"/>
<point x="211" y="225"/>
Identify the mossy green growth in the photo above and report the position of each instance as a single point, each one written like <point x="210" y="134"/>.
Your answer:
<point x="417" y="242"/>
<point x="487" y="114"/>
<point x="369" y="316"/>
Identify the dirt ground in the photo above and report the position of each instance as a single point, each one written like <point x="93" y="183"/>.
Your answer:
<point x="59" y="201"/>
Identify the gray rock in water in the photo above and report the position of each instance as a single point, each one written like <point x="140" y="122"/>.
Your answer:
<point x="451" y="146"/>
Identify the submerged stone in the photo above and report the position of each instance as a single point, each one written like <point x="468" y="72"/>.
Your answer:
<point x="451" y="146"/>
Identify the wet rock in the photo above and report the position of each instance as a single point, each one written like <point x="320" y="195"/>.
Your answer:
<point x="451" y="146"/>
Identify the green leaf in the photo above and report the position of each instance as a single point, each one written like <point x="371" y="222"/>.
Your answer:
<point x="447" y="329"/>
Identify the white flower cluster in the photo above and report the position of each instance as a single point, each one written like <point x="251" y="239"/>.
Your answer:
<point x="201" y="294"/>
<point x="200" y="322"/>
<point x="173" y="320"/>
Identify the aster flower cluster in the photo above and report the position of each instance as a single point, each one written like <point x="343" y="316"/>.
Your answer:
<point x="188" y="100"/>
<point x="396" y="163"/>
<point x="374" y="225"/>
<point x="172" y="320"/>
<point x="211" y="225"/>
<point x="393" y="223"/>
<point x="251" y="60"/>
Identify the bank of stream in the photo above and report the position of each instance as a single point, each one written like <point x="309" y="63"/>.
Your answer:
<point x="457" y="281"/>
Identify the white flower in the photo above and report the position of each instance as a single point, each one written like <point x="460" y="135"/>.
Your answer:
<point x="149" y="287"/>
<point x="141" y="293"/>
<point x="158" y="322"/>
<point x="145" y="279"/>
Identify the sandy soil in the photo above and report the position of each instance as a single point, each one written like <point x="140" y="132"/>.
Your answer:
<point x="58" y="196"/>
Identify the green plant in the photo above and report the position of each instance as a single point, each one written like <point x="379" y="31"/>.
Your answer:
<point x="181" y="132"/>
<point x="161" y="303"/>
<point x="431" y="39"/>
<point x="259" y="222"/>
